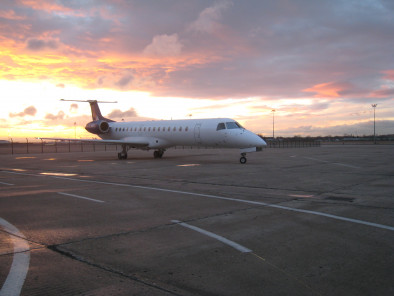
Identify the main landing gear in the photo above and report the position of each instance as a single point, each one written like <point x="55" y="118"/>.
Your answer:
<point x="158" y="153"/>
<point x="243" y="158"/>
<point x="123" y="153"/>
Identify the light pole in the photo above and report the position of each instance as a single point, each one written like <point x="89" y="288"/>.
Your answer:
<point x="374" y="130"/>
<point x="75" y="130"/>
<point x="273" y="123"/>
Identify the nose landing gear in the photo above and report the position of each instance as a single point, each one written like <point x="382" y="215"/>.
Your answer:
<point x="243" y="158"/>
<point x="158" y="153"/>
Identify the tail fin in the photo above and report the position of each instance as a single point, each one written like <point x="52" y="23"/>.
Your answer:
<point x="96" y="113"/>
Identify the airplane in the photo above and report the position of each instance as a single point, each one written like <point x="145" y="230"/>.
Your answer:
<point x="160" y="135"/>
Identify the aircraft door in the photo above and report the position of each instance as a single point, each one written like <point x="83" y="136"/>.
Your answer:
<point x="197" y="133"/>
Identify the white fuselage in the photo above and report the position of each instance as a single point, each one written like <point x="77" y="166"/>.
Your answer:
<point x="218" y="132"/>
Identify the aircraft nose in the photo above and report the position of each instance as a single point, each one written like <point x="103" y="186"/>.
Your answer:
<point x="255" y="140"/>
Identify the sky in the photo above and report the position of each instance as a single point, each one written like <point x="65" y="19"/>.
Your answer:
<point x="319" y="64"/>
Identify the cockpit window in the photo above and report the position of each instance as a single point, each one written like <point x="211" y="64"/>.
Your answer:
<point x="221" y="126"/>
<point x="233" y="125"/>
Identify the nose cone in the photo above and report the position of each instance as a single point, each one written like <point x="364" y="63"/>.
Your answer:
<point x="258" y="141"/>
<point x="254" y="140"/>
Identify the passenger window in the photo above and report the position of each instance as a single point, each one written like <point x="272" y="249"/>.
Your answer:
<point x="174" y="129"/>
<point x="221" y="126"/>
<point x="180" y="128"/>
<point x="169" y="128"/>
<point x="154" y="129"/>
<point x="158" y="129"/>
<point x="186" y="129"/>
<point x="148" y="129"/>
<point x="144" y="129"/>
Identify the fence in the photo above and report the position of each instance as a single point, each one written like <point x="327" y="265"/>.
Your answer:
<point x="293" y="144"/>
<point x="71" y="146"/>
<point x="53" y="147"/>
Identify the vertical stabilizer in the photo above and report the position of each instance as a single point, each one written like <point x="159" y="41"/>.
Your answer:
<point x="96" y="113"/>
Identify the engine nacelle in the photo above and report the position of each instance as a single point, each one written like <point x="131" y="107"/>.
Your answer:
<point x="97" y="127"/>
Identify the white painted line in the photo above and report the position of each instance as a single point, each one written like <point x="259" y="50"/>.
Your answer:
<point x="215" y="236"/>
<point x="224" y="198"/>
<point x="20" y="263"/>
<point x="81" y="197"/>
<point x="316" y="159"/>
<point x="336" y="163"/>
<point x="346" y="165"/>
<point x="301" y="195"/>
<point x="4" y="183"/>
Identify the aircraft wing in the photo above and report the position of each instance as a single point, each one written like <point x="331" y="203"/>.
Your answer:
<point x="135" y="142"/>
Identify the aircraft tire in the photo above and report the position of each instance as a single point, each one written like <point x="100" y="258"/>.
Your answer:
<point x="122" y="155"/>
<point x="242" y="160"/>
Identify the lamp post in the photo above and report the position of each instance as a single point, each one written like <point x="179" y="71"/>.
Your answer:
<point x="374" y="129"/>
<point x="273" y="123"/>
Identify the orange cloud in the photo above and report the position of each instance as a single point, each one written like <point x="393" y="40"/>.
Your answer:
<point x="46" y="5"/>
<point x="325" y="90"/>
<point x="389" y="74"/>
<point x="10" y="15"/>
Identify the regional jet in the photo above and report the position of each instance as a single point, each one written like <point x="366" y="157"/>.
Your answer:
<point x="162" y="134"/>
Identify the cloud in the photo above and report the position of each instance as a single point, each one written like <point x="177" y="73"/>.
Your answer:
<point x="122" y="114"/>
<point x="73" y="108"/>
<point x="384" y="127"/>
<point x="209" y="18"/>
<point x="327" y="90"/>
<point x="60" y="116"/>
<point x="389" y="75"/>
<point x="124" y="81"/>
<point x="164" y="45"/>
<point x="38" y="44"/>
<point x="29" y="111"/>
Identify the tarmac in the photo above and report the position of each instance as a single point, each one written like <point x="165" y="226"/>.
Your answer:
<point x="297" y="221"/>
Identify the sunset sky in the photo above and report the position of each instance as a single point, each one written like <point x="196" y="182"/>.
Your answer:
<point x="319" y="64"/>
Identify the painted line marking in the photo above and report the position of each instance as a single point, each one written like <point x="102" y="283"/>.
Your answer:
<point x="20" y="262"/>
<point x="222" y="239"/>
<point x="301" y="195"/>
<point x="81" y="197"/>
<point x="386" y="227"/>
<point x="336" y="163"/>
<point x="4" y="183"/>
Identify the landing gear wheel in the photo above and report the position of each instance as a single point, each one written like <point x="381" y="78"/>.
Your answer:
<point x="242" y="160"/>
<point x="158" y="153"/>
<point x="122" y="155"/>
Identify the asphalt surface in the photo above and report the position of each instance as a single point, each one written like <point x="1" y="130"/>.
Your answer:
<point x="306" y="221"/>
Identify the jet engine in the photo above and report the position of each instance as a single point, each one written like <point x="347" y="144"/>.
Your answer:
<point x="97" y="127"/>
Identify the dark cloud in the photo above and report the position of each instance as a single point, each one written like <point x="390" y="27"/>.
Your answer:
<point x="383" y="127"/>
<point x="38" y="44"/>
<point x="124" y="81"/>
<point x="215" y="49"/>
<point x="123" y="114"/>
<point x="29" y="111"/>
